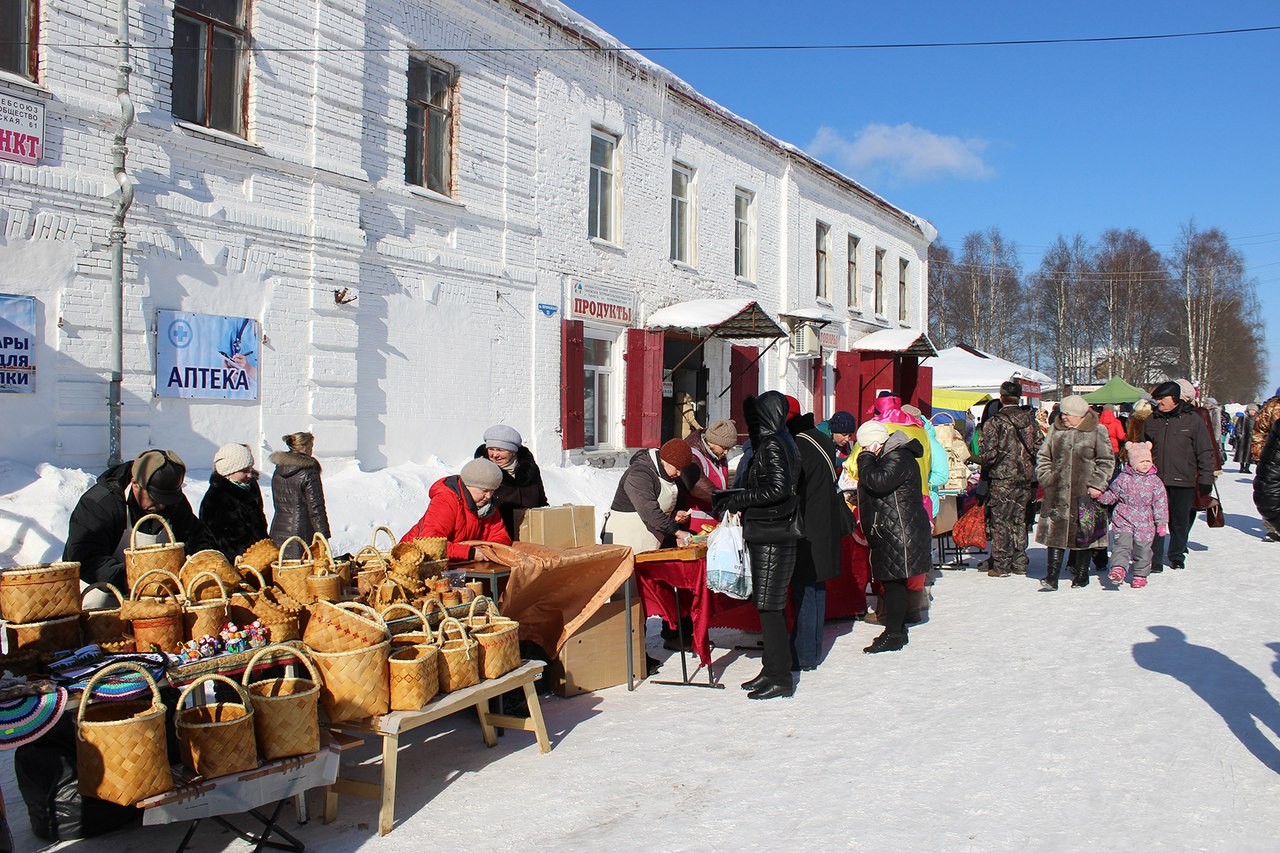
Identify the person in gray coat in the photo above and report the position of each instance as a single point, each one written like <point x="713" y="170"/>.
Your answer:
<point x="296" y="491"/>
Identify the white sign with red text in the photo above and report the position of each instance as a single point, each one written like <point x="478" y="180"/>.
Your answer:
<point x="591" y="301"/>
<point x="21" y="129"/>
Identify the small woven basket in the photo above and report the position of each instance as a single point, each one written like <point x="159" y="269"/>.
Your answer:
<point x="120" y="746"/>
<point x="373" y="542"/>
<point x="406" y="558"/>
<point x="157" y="620"/>
<point x="103" y="625"/>
<point x="258" y="556"/>
<point x="498" y="638"/>
<point x="323" y="554"/>
<point x="212" y="561"/>
<point x="51" y="635"/>
<point x="140" y="559"/>
<point x="432" y="547"/>
<point x="415" y="679"/>
<point x="216" y="739"/>
<point x="355" y="684"/>
<point x="41" y="592"/>
<point x="370" y="569"/>
<point x="405" y="633"/>
<point x="459" y="664"/>
<point x="325" y="584"/>
<point x="291" y="575"/>
<point x="244" y="598"/>
<point x="343" y="627"/>
<point x="286" y="708"/>
<point x="201" y="616"/>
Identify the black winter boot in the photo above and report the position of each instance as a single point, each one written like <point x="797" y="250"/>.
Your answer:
<point x="1080" y="567"/>
<point x="1052" y="568"/>
<point x="1100" y="560"/>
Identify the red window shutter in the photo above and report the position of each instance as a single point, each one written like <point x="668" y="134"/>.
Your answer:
<point x="848" y="387"/>
<point x="642" y="421"/>
<point x="572" y="354"/>
<point x="745" y="382"/>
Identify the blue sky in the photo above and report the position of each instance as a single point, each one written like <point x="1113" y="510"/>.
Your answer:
<point x="1036" y="140"/>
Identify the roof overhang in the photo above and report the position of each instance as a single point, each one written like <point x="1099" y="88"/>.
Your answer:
<point x="734" y="319"/>
<point x="898" y="341"/>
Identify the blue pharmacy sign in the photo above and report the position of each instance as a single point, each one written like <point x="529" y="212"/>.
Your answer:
<point x="206" y="356"/>
<point x="17" y="344"/>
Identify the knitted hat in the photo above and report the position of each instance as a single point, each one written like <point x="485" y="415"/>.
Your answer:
<point x="231" y="458"/>
<point x="160" y="473"/>
<point x="481" y="474"/>
<point x="502" y="437"/>
<point x="1188" y="390"/>
<point x="1075" y="405"/>
<point x="676" y="452"/>
<point x="914" y="411"/>
<point x="872" y="432"/>
<point x="842" y="422"/>
<point x="793" y="407"/>
<point x="1010" y="388"/>
<point x="1167" y="389"/>
<point x="722" y="433"/>
<point x="1138" y="451"/>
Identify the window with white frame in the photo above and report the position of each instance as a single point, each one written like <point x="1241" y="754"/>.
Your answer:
<point x="597" y="388"/>
<point x="852" y="284"/>
<point x="18" y="20"/>
<point x="878" y="294"/>
<point x="210" y="65"/>
<point x="428" y="149"/>
<point x="744" y="244"/>
<point x="681" y="213"/>
<point x="903" y="267"/>
<point x="603" y="190"/>
<point x="822" y="267"/>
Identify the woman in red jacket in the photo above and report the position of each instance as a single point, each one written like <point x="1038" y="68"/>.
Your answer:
<point x="461" y="510"/>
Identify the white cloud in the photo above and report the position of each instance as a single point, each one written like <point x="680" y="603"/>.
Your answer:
<point x="903" y="152"/>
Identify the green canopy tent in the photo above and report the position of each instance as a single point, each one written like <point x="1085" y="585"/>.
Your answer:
<point x="1116" y="391"/>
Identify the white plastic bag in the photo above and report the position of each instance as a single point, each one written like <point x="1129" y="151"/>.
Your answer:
<point x="728" y="565"/>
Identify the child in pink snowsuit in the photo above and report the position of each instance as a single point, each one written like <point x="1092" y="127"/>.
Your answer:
<point x="1141" y="514"/>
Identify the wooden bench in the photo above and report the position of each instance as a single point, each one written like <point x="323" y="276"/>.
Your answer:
<point x="390" y="726"/>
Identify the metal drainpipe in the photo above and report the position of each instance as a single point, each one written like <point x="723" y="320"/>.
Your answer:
<point x="119" y="149"/>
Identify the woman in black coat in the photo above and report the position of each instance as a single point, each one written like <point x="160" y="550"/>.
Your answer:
<point x="297" y="492"/>
<point x="1266" y="484"/>
<point x="232" y="508"/>
<point x="895" y="522"/>
<point x="521" y="477"/>
<point x="771" y="527"/>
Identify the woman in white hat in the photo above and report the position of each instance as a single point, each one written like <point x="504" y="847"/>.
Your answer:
<point x="232" y="508"/>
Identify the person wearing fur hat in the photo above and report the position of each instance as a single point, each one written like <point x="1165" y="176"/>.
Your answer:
<point x="1010" y="441"/>
<point x="296" y="491"/>
<point x="102" y="522"/>
<point x="711" y="451"/>
<point x="1185" y="456"/>
<point x="643" y="513"/>
<point x="1074" y="463"/>
<point x="1141" y="514"/>
<point x="232" y="508"/>
<point x="521" y="486"/>
<point x="461" y="509"/>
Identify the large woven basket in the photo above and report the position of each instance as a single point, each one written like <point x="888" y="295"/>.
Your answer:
<point x="415" y="679"/>
<point x="140" y="559"/>
<point x="216" y="739"/>
<point x="286" y="708"/>
<point x="499" y="641"/>
<point x="343" y="627"/>
<point x="356" y="684"/>
<point x="459" y="662"/>
<point x="103" y="625"/>
<point x="403" y="632"/>
<point x="41" y="592"/>
<point x="291" y="575"/>
<point x="157" y="620"/>
<point x="205" y="616"/>
<point x="120" y="746"/>
<point x="208" y="560"/>
<point x="50" y="635"/>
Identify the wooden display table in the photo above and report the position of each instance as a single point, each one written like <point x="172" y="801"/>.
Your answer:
<point x="390" y="726"/>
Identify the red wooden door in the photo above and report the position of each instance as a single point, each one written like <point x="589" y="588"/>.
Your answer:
<point x="744" y="382"/>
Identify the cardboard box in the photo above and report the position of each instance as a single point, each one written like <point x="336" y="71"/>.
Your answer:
<point x="566" y="526"/>
<point x="595" y="657"/>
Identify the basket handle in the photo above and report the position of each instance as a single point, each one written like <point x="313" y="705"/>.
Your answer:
<point x="490" y="609"/>
<point x="109" y="587"/>
<point x="364" y="610"/>
<point x="191" y="585"/>
<point x="213" y="676"/>
<point x="262" y="582"/>
<point x="319" y="543"/>
<point x="306" y="549"/>
<point x="106" y="672"/>
<point x="275" y="650"/>
<point x="373" y="541"/>
<point x="138" y="585"/>
<point x="413" y="611"/>
<point x="322" y="570"/>
<point x="133" y="536"/>
<point x="371" y="550"/>
<point x="434" y="604"/>
<point x="450" y="622"/>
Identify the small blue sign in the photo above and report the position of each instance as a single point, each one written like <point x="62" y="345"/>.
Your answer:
<point x="548" y="309"/>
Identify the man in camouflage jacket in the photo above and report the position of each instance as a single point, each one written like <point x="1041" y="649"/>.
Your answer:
<point x="1009" y="444"/>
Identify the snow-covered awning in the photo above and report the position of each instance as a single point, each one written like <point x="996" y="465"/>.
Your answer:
<point x="812" y="315"/>
<point x="723" y="318"/>
<point x="901" y="341"/>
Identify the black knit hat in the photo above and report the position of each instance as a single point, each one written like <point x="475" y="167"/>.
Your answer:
<point x="1167" y="389"/>
<point x="1011" y="389"/>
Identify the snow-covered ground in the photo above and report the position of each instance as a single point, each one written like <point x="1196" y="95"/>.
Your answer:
<point x="1087" y="719"/>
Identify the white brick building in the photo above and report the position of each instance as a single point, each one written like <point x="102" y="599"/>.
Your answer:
<point x="265" y="188"/>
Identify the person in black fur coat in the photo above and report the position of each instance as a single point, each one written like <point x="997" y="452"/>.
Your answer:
<point x="521" y="477"/>
<point x="232" y="509"/>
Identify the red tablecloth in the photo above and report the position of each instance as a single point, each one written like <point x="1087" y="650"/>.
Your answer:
<point x="707" y="609"/>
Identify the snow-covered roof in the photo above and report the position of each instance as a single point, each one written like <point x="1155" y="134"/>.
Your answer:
<point x="963" y="367"/>
<point x="906" y="341"/>
<point x="816" y="314"/>
<point x="573" y="22"/>
<point x="726" y="318"/>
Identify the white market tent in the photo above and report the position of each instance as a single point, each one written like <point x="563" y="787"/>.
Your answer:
<point x="964" y="368"/>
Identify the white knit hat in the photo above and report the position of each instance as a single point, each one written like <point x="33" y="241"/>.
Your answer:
<point x="872" y="432"/>
<point x="231" y="458"/>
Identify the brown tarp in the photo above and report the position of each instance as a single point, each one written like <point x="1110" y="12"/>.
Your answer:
<point x="553" y="591"/>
